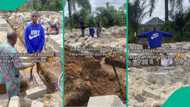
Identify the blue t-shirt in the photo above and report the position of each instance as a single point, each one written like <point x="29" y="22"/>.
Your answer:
<point x="155" y="38"/>
<point x="34" y="37"/>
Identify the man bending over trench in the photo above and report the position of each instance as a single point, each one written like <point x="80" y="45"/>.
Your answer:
<point x="10" y="64"/>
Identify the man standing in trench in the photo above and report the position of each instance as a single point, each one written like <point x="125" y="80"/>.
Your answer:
<point x="34" y="37"/>
<point x="9" y="66"/>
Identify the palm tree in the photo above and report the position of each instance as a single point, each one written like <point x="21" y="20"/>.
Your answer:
<point x="72" y="4"/>
<point x="136" y="13"/>
<point x="70" y="12"/>
<point x="166" y="11"/>
<point x="174" y="4"/>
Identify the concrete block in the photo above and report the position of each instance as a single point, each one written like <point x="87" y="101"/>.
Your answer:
<point x="150" y="93"/>
<point x="105" y="101"/>
<point x="4" y="100"/>
<point x="36" y="103"/>
<point x="36" y="76"/>
<point x="14" y="102"/>
<point x="25" y="102"/>
<point x="36" y="92"/>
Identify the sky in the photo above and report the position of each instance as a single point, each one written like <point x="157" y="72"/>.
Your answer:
<point x="159" y="10"/>
<point x="98" y="3"/>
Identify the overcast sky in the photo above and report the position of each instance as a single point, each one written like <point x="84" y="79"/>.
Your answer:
<point x="98" y="3"/>
<point x="159" y="10"/>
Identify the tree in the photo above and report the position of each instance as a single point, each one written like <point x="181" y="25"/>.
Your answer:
<point x="166" y="11"/>
<point x="106" y="15"/>
<point x="75" y="18"/>
<point x="173" y="3"/>
<point x="36" y="5"/>
<point x="120" y="17"/>
<point x="54" y="5"/>
<point x="181" y="23"/>
<point x="43" y="5"/>
<point x="136" y="13"/>
<point x="70" y="12"/>
<point x="72" y="4"/>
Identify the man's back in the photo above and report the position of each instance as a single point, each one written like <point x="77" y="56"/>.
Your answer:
<point x="7" y="67"/>
<point x="155" y="38"/>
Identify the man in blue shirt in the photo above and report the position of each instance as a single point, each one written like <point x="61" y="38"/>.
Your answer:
<point x="34" y="35"/>
<point x="155" y="37"/>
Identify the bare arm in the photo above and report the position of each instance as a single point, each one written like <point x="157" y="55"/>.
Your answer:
<point x="20" y="65"/>
<point x="24" y="66"/>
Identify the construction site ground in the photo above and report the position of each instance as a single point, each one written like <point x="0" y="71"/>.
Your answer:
<point x="155" y="82"/>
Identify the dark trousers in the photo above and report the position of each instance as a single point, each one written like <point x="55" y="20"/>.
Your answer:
<point x="91" y="32"/>
<point x="82" y="32"/>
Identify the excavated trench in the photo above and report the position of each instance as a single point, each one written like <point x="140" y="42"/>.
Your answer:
<point x="88" y="72"/>
<point x="86" y="77"/>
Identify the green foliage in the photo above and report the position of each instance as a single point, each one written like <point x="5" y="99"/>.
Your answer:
<point x="180" y="27"/>
<point x="45" y="5"/>
<point x="36" y="4"/>
<point x="84" y="4"/>
<point x="80" y="3"/>
<point x="75" y="18"/>
<point x="108" y="16"/>
<point x="120" y="18"/>
<point x="136" y="14"/>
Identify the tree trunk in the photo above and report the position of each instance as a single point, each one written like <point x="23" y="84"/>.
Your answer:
<point x="70" y="13"/>
<point x="181" y="35"/>
<point x="166" y="10"/>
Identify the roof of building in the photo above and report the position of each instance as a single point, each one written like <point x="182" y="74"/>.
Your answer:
<point x="154" y="21"/>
